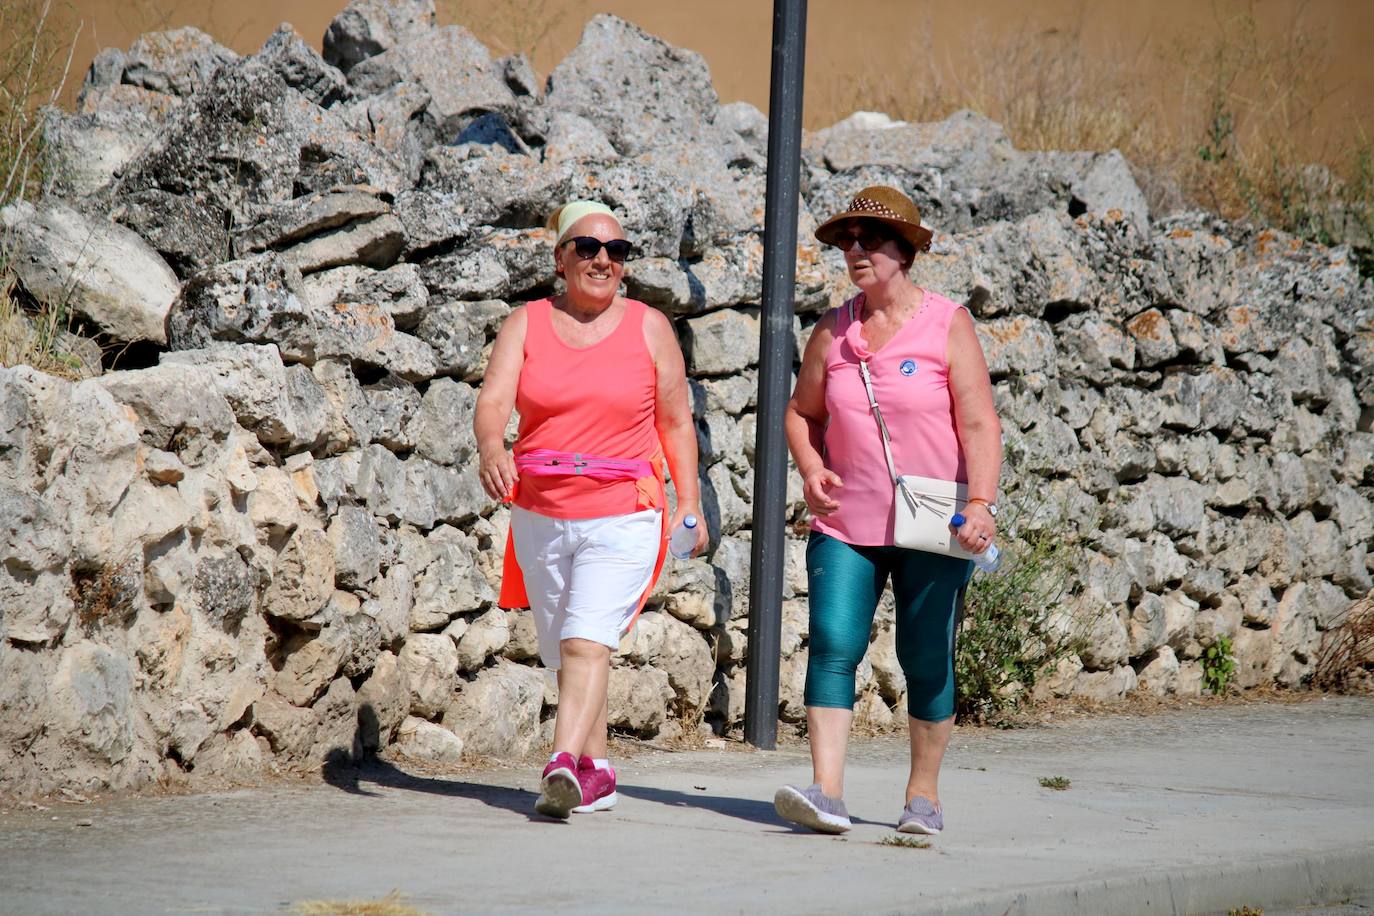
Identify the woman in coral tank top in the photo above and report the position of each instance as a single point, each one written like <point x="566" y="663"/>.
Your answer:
<point x="930" y="380"/>
<point x="601" y="388"/>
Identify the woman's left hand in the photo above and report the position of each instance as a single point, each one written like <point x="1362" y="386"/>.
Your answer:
<point x="978" y="530"/>
<point x="684" y="510"/>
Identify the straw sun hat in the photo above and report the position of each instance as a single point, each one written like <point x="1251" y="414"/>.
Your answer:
<point x="886" y="205"/>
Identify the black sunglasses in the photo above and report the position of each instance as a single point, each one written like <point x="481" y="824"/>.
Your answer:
<point x="869" y="236"/>
<point x="587" y="247"/>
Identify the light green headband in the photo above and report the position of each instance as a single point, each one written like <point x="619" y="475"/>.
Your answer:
<point x="573" y="211"/>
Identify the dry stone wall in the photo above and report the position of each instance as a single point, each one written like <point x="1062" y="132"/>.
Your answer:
<point x="266" y="546"/>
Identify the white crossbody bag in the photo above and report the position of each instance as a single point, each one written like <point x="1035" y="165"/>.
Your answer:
<point x="923" y="505"/>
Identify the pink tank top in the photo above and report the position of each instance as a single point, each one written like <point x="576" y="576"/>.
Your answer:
<point x="597" y="401"/>
<point x="911" y="381"/>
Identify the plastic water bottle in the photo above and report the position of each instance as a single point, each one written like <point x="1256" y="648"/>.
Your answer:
<point x="684" y="538"/>
<point x="990" y="558"/>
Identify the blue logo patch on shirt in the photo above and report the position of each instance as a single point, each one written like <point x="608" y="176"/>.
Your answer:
<point x="908" y="367"/>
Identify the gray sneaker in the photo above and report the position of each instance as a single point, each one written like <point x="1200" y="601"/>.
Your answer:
<point x="812" y="808"/>
<point x="921" y="816"/>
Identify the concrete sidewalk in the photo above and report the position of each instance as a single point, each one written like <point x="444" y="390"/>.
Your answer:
<point x="1184" y="812"/>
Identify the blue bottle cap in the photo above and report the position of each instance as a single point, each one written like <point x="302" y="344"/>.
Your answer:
<point x="958" y="520"/>
<point x="689" y="521"/>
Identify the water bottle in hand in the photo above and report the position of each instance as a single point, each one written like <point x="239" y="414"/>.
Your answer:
<point x="684" y="538"/>
<point x="990" y="558"/>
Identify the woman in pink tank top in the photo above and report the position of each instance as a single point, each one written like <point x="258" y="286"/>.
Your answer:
<point x="931" y="381"/>
<point x="601" y="388"/>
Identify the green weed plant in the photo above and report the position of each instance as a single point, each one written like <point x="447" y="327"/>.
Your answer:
<point x="1014" y="625"/>
<point x="1218" y="666"/>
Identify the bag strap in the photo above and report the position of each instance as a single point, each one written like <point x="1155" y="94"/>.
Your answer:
<point x="882" y="424"/>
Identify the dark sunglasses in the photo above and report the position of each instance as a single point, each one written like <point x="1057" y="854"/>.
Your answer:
<point x="869" y="237"/>
<point x="587" y="247"/>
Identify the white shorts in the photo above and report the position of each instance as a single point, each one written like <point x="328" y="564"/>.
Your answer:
<point x="584" y="577"/>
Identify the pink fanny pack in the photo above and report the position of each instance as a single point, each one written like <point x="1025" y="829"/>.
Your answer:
<point x="545" y="462"/>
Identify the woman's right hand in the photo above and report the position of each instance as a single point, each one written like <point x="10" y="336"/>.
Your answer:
<point x="816" y="489"/>
<point x="497" y="471"/>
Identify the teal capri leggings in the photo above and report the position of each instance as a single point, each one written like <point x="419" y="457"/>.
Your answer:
<point x="846" y="582"/>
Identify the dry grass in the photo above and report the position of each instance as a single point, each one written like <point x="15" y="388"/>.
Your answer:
<point x="507" y="26"/>
<point x="1345" y="660"/>
<point x="34" y="61"/>
<point x="1231" y="130"/>
<point x="391" y="905"/>
<point x="105" y="594"/>
<point x="33" y="336"/>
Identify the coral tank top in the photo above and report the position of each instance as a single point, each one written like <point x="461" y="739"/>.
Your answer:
<point x="596" y="401"/>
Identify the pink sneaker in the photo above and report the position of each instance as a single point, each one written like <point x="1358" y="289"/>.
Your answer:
<point x="598" y="787"/>
<point x="559" y="789"/>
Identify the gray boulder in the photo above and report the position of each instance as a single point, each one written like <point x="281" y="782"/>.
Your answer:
<point x="1107" y="184"/>
<point x="179" y="61"/>
<point x="641" y="91"/>
<point x="263" y="299"/>
<point x="293" y="221"/>
<point x="368" y="27"/>
<point x="101" y="271"/>
<point x="442" y="428"/>
<point x="250" y="141"/>
<point x="969" y="164"/>
<point x="189" y="234"/>
<point x="638" y="699"/>
<point x="723" y="342"/>
<point x="87" y="150"/>
<point x="303" y="69"/>
<point x="451" y="66"/>
<point x="279" y="404"/>
<point x="303" y="579"/>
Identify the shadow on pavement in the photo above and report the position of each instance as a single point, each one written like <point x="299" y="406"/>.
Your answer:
<point x="754" y="810"/>
<point x="342" y="772"/>
<point x="746" y="809"/>
<point x="348" y="775"/>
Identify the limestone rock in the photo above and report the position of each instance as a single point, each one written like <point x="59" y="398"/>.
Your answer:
<point x="1160" y="676"/>
<point x="311" y="663"/>
<point x="337" y="737"/>
<point x="1106" y="686"/>
<point x="384" y="702"/>
<point x="250" y="141"/>
<point x="430" y="663"/>
<point x="357" y="547"/>
<point x="88" y="150"/>
<point x="427" y="742"/>
<point x="639" y="699"/>
<point x="680" y="651"/>
<point x="497" y="713"/>
<point x="289" y="729"/>
<point x="1107" y="185"/>
<point x="485" y="637"/>
<point x="263" y="299"/>
<point x="723" y="342"/>
<point x="303" y="578"/>
<point x="1108" y="643"/>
